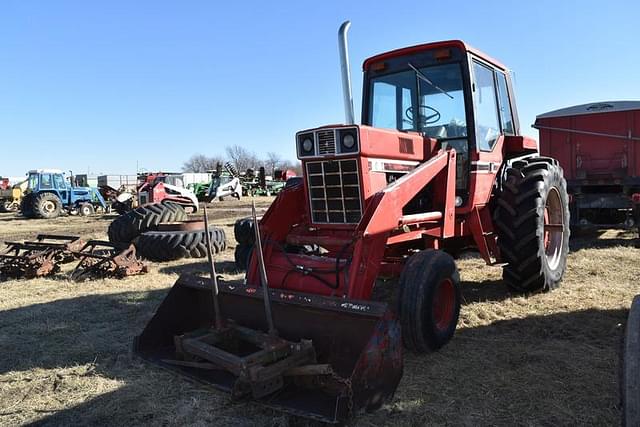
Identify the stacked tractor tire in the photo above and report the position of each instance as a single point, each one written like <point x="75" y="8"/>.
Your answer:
<point x="245" y="236"/>
<point x="162" y="232"/>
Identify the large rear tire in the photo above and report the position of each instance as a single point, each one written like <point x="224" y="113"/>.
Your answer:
<point x="172" y="245"/>
<point x="532" y="223"/>
<point x="127" y="227"/>
<point x="429" y="300"/>
<point x="26" y="206"/>
<point x="47" y="206"/>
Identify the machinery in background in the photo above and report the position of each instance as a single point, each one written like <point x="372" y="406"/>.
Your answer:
<point x="596" y="146"/>
<point x="225" y="182"/>
<point x="155" y="187"/>
<point x="48" y="195"/>
<point x="11" y="196"/>
<point x="126" y="193"/>
<point x="263" y="185"/>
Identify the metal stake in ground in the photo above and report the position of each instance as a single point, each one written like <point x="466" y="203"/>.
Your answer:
<point x="263" y="272"/>
<point x="212" y="271"/>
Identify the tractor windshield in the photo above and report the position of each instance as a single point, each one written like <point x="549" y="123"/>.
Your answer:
<point x="428" y="99"/>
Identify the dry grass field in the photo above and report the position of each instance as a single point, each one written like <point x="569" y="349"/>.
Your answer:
<point x="547" y="359"/>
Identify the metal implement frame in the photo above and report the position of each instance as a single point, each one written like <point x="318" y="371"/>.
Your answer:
<point x="39" y="258"/>
<point x="106" y="259"/>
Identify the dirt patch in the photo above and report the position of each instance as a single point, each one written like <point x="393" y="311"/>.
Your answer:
<point x="546" y="359"/>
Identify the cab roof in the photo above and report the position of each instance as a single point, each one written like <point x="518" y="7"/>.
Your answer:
<point x="46" y="171"/>
<point x="427" y="46"/>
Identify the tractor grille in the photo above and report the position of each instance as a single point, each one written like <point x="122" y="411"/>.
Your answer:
<point x="334" y="191"/>
<point x="326" y="142"/>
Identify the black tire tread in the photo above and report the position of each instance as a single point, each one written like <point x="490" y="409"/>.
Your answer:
<point x="130" y="225"/>
<point x="423" y="271"/>
<point x="38" y="199"/>
<point x="243" y="231"/>
<point x="518" y="218"/>
<point x="172" y="245"/>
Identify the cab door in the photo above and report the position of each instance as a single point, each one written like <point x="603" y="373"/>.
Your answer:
<point x="61" y="186"/>
<point x="493" y="120"/>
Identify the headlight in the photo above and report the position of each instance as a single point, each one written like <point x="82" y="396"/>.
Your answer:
<point x="307" y="145"/>
<point x="348" y="141"/>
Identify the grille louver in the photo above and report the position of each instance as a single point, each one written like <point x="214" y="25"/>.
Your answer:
<point x="334" y="191"/>
<point x="326" y="142"/>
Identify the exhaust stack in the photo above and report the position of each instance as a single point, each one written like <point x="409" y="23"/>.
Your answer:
<point x="346" y="72"/>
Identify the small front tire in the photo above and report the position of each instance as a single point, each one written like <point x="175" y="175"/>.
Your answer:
<point x="429" y="301"/>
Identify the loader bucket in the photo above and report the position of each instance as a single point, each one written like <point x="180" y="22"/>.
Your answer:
<point x="357" y="345"/>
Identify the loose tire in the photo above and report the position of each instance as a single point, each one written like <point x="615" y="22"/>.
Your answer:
<point x="532" y="222"/>
<point x="241" y="256"/>
<point x="47" y="206"/>
<point x="172" y="245"/>
<point x="243" y="231"/>
<point x="429" y="300"/>
<point x="127" y="227"/>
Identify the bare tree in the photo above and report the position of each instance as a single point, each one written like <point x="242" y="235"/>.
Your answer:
<point x="272" y="162"/>
<point x="201" y="163"/>
<point x="242" y="158"/>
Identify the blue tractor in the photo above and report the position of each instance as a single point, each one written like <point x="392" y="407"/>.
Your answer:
<point x="48" y="195"/>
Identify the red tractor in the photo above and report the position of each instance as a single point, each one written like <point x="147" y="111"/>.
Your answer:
<point x="437" y="166"/>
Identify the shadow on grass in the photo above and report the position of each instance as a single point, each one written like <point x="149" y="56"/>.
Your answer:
<point x="485" y="291"/>
<point x="554" y="369"/>
<point x="200" y="267"/>
<point x="593" y="239"/>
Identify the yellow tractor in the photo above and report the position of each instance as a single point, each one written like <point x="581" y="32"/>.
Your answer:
<point x="10" y="198"/>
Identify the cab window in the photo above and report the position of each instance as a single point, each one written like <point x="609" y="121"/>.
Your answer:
<point x="45" y="181"/>
<point x="59" y="182"/>
<point x="486" y="106"/>
<point x="505" y="106"/>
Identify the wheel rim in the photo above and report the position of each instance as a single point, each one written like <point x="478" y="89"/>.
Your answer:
<point x="443" y="305"/>
<point x="48" y="206"/>
<point x="553" y="228"/>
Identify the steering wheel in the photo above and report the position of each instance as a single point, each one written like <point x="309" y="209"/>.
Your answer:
<point x="424" y="120"/>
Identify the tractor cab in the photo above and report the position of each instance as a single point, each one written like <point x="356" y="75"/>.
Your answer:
<point x="46" y="180"/>
<point x="417" y="101"/>
<point x="450" y="93"/>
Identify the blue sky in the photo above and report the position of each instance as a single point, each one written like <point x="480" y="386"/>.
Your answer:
<point x="103" y="86"/>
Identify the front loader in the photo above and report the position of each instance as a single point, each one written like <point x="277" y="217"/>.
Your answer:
<point x="438" y="166"/>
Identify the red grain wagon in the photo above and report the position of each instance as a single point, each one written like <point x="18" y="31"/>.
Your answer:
<point x="598" y="145"/>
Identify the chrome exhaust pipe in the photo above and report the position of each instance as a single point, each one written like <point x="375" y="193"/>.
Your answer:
<point x="346" y="72"/>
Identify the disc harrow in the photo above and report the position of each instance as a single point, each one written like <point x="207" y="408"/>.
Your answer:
<point x="39" y="258"/>
<point x="101" y="259"/>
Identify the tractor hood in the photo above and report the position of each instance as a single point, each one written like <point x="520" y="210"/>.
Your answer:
<point x="353" y="140"/>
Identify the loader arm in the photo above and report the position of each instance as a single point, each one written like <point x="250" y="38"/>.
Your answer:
<point x="384" y="212"/>
<point x="360" y="261"/>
